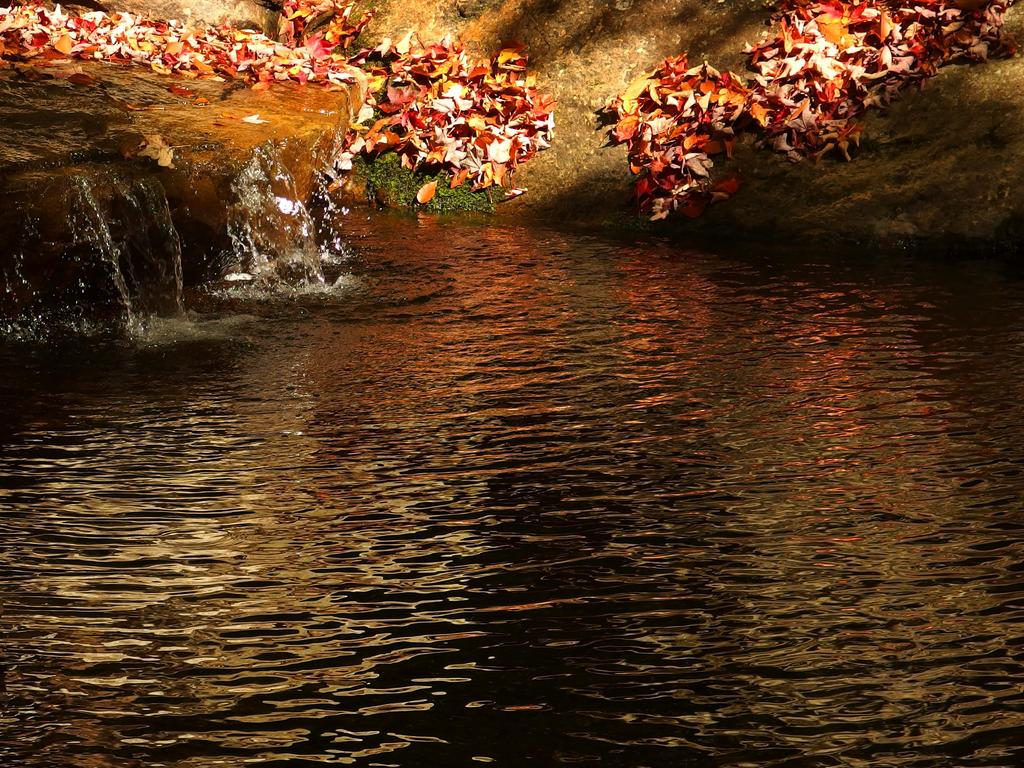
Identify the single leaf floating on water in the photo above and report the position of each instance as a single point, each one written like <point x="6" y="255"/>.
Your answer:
<point x="181" y="90"/>
<point x="254" y="120"/>
<point x="426" y="193"/>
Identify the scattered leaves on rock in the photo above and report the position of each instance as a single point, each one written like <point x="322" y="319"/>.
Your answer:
<point x="339" y="30"/>
<point x="32" y="30"/>
<point x="439" y="110"/>
<point x="829" y="64"/>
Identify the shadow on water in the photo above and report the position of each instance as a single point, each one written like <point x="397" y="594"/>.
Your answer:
<point x="527" y="497"/>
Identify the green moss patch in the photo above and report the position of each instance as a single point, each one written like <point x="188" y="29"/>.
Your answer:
<point x="391" y="185"/>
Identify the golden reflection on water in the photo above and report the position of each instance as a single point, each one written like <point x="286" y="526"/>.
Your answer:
<point x="646" y="507"/>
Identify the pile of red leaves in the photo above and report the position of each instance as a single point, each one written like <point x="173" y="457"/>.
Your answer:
<point x="674" y="120"/>
<point x="32" y="30"/>
<point x="442" y="111"/>
<point x="339" y="32"/>
<point x="833" y="61"/>
<point x="830" y="63"/>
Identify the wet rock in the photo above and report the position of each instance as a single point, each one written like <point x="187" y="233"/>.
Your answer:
<point x="88" y="248"/>
<point x="96" y="228"/>
<point x="244" y="14"/>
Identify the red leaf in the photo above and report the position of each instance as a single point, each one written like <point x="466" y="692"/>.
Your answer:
<point x="80" y="78"/>
<point x="728" y="186"/>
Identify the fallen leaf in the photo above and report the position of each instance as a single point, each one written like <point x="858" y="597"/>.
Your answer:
<point x="64" y="44"/>
<point x="450" y="111"/>
<point x="426" y="193"/>
<point x="80" y="78"/>
<point x="155" y="148"/>
<point x="633" y="91"/>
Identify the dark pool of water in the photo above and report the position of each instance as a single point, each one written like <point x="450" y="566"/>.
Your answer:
<point x="527" y="498"/>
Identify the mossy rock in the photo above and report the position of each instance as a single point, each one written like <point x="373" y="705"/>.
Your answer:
<point x="390" y="185"/>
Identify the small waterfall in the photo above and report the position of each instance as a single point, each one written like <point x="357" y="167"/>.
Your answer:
<point x="95" y="249"/>
<point x="92" y="248"/>
<point x="93" y="253"/>
<point x="150" y="249"/>
<point x="272" y="233"/>
<point x="327" y="213"/>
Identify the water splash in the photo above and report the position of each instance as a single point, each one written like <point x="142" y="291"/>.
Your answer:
<point x="104" y="255"/>
<point x="94" y="247"/>
<point x="334" y="251"/>
<point x="150" y="248"/>
<point x="96" y="251"/>
<point x="272" y="234"/>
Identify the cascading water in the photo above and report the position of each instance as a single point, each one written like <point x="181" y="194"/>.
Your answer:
<point x="106" y="257"/>
<point x="150" y="248"/>
<point x="94" y="248"/>
<point x="102" y="254"/>
<point x="272" y="234"/>
<point x="103" y="257"/>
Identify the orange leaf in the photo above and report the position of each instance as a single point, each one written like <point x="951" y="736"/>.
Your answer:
<point x="885" y="25"/>
<point x="834" y="30"/>
<point x="694" y="207"/>
<point x="64" y="45"/>
<point x="426" y="193"/>
<point x="759" y="113"/>
<point x="633" y="92"/>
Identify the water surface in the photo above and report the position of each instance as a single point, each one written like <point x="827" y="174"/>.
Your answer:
<point x="521" y="497"/>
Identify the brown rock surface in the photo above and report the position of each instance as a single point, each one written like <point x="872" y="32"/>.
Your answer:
<point x="83" y="210"/>
<point x="244" y="14"/>
<point x="946" y="164"/>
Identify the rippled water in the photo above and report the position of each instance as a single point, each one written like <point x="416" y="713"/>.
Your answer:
<point x="527" y="498"/>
